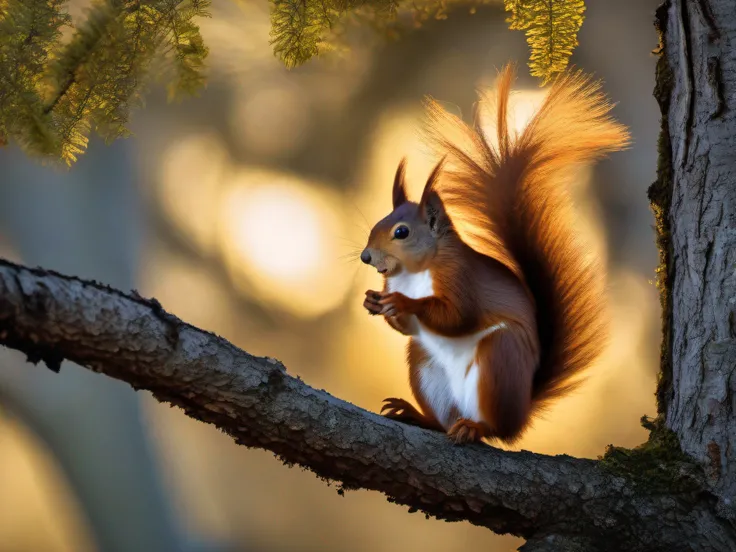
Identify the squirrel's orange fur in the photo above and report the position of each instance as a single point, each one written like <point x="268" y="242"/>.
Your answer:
<point x="495" y="265"/>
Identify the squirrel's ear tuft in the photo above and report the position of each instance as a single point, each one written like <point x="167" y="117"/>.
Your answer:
<point x="431" y="206"/>
<point x="399" y="192"/>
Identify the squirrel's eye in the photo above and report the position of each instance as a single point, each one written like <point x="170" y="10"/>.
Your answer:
<point x="401" y="232"/>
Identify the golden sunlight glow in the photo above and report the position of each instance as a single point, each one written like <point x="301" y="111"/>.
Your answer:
<point x="280" y="239"/>
<point x="43" y="513"/>
<point x="523" y="104"/>
<point x="188" y="186"/>
<point x="277" y="231"/>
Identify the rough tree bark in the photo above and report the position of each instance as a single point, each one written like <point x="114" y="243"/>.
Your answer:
<point x="559" y="503"/>
<point x="694" y="201"/>
<point x="650" y="499"/>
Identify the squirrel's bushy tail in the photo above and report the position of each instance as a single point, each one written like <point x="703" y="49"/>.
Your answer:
<point x="508" y="194"/>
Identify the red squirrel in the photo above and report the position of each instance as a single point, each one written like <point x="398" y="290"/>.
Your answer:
<point x="505" y="315"/>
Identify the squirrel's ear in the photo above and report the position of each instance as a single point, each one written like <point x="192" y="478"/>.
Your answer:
<point x="431" y="206"/>
<point x="399" y="192"/>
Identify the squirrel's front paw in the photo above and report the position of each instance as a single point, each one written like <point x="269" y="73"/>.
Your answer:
<point x="371" y="303"/>
<point x="395" y="304"/>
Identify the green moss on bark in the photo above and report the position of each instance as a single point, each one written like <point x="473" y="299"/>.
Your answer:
<point x="660" y="197"/>
<point x="658" y="465"/>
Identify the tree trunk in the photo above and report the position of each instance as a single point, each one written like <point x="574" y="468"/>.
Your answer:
<point x="694" y="199"/>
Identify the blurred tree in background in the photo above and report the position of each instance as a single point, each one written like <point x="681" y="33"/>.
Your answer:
<point x="56" y="91"/>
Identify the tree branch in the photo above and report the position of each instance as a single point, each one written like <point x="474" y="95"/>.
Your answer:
<point x="52" y="317"/>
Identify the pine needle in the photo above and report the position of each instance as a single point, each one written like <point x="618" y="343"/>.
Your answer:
<point x="28" y="31"/>
<point x="54" y="96"/>
<point x="551" y="31"/>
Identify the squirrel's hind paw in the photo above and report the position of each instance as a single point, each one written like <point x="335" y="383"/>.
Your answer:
<point x="467" y="431"/>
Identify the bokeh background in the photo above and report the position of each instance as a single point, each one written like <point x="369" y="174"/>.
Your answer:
<point x="241" y="211"/>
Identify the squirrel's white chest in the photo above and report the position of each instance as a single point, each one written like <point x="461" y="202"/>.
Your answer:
<point x="449" y="377"/>
<point x="414" y="285"/>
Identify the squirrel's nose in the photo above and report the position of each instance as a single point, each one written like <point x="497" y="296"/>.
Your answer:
<point x="365" y="256"/>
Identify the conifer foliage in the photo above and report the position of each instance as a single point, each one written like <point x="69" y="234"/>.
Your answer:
<point x="551" y="31"/>
<point x="301" y="29"/>
<point x="54" y="91"/>
<point x="28" y="31"/>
